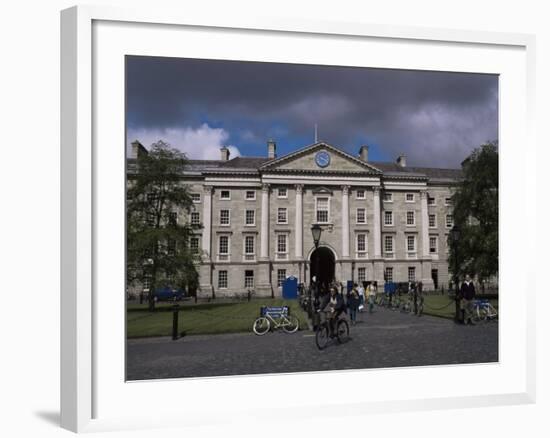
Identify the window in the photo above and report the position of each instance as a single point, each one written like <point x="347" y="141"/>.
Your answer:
<point x="388" y="218"/>
<point x="222" y="279"/>
<point x="411" y="243"/>
<point x="448" y="201"/>
<point x="449" y="221"/>
<point x="173" y="218"/>
<point x="250" y="217"/>
<point x="412" y="273"/>
<point x="431" y="201"/>
<point x="146" y="283"/>
<point x="151" y="219"/>
<point x="248" y="278"/>
<point x="282" y="216"/>
<point x="388" y="197"/>
<point x="360" y="194"/>
<point x="282" y="192"/>
<point x="361" y="216"/>
<point x="281" y="243"/>
<point x="410" y="218"/>
<point x="171" y="247"/>
<point x="152" y="197"/>
<point x="361" y="245"/>
<point x="388" y="275"/>
<point x="250" y="195"/>
<point x="194" y="244"/>
<point x="196" y="197"/>
<point x="224" y="245"/>
<point x="362" y="274"/>
<point x="433" y="244"/>
<point x="225" y="195"/>
<point x="409" y="197"/>
<point x="224" y="217"/>
<point x="322" y="206"/>
<point x="431" y="221"/>
<point x="249" y="245"/>
<point x="195" y="218"/>
<point x="388" y="244"/>
<point x="281" y="277"/>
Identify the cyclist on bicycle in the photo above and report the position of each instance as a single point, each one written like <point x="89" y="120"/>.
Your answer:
<point x="333" y="303"/>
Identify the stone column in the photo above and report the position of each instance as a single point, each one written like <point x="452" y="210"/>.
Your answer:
<point x="345" y="221"/>
<point x="205" y="272"/>
<point x="299" y="224"/>
<point x="264" y="230"/>
<point x="427" y="280"/>
<point x="376" y="225"/>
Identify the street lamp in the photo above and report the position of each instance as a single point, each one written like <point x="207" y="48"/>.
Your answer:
<point x="316" y="231"/>
<point x="455" y="237"/>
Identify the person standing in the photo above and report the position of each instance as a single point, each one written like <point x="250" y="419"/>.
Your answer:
<point x="361" y="293"/>
<point x="353" y="303"/>
<point x="371" y="296"/>
<point x="468" y="293"/>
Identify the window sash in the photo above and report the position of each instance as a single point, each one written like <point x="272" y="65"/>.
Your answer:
<point x="225" y="194"/>
<point x="250" y="194"/>
<point x="281" y="276"/>
<point x="281" y="243"/>
<point x="388" y="244"/>
<point x="388" y="218"/>
<point x="361" y="216"/>
<point x="411" y="243"/>
<point x="361" y="243"/>
<point x="225" y="217"/>
<point x="389" y="274"/>
<point x="224" y="245"/>
<point x="250" y="217"/>
<point x="282" y="215"/>
<point x="410" y="218"/>
<point x="222" y="279"/>
<point x="249" y="245"/>
<point x="412" y="273"/>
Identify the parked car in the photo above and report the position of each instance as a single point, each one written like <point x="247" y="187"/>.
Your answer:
<point x="168" y="293"/>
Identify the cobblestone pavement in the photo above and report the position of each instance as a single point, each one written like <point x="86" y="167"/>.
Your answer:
<point x="382" y="339"/>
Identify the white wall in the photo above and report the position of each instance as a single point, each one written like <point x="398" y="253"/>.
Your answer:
<point x="29" y="245"/>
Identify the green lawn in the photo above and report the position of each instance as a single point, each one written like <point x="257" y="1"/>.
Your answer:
<point x="204" y="318"/>
<point x="443" y="306"/>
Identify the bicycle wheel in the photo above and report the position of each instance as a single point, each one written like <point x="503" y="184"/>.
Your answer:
<point x="321" y="336"/>
<point x="291" y="325"/>
<point x="342" y="331"/>
<point x="261" y="326"/>
<point x="478" y="314"/>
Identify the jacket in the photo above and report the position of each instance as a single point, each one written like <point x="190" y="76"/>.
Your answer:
<point x="468" y="291"/>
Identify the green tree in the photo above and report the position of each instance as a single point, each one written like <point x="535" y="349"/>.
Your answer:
<point x="475" y="212"/>
<point x="158" y="244"/>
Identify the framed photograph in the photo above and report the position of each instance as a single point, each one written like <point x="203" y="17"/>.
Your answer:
<point x="267" y="204"/>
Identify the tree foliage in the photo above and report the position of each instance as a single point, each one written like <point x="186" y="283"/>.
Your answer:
<point x="475" y="213"/>
<point x="158" y="244"/>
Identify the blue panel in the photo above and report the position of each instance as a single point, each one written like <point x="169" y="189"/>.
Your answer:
<point x="290" y="288"/>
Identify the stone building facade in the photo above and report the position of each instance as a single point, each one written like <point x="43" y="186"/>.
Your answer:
<point x="380" y="220"/>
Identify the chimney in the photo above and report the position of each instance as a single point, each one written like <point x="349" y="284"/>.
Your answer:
<point x="138" y="150"/>
<point x="271" y="149"/>
<point x="402" y="160"/>
<point x="364" y="153"/>
<point x="225" y="153"/>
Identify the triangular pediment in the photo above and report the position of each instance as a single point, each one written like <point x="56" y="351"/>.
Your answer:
<point x="319" y="157"/>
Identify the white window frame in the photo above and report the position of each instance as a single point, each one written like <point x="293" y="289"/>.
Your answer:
<point x="279" y="279"/>
<point x="246" y="195"/>
<point x="248" y="278"/>
<point x="361" y="191"/>
<point x="228" y="224"/>
<point x="195" y="201"/>
<point x="414" y="250"/>
<point x="246" y="224"/>
<point x="225" y="199"/>
<point x="386" y="270"/>
<point x="194" y="214"/>
<point x="226" y="278"/>
<point x="279" y="209"/>
<point x="413" y="270"/>
<point x="435" y="220"/>
<point x="389" y="254"/>
<point x="389" y="195"/>
<point x="409" y="194"/>
<point x="328" y="198"/>
<point x="285" y="196"/>
<point x="228" y="253"/>
<point x="362" y="277"/>
<point x="436" y="246"/>
<point x="448" y="201"/>
<point x="407" y="218"/>
<point x="432" y="198"/>
<point x="392" y="218"/>
<point x="281" y="255"/>
<point x="447" y="225"/>
<point x="198" y="240"/>
<point x="361" y="254"/>
<point x="253" y="245"/>
<point x="364" y="216"/>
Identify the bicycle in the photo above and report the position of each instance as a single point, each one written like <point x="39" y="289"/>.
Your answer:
<point x="322" y="335"/>
<point x="276" y="317"/>
<point x="483" y="310"/>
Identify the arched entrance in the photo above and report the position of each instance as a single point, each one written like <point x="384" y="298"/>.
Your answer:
<point x="322" y="264"/>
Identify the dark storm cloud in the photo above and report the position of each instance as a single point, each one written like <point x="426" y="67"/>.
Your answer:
<point x="435" y="118"/>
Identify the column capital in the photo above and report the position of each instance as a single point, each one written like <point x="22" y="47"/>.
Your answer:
<point x="345" y="190"/>
<point x="376" y="189"/>
<point x="266" y="187"/>
<point x="207" y="189"/>
<point x="299" y="189"/>
<point x="423" y="194"/>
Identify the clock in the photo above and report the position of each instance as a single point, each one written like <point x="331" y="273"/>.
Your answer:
<point x="322" y="158"/>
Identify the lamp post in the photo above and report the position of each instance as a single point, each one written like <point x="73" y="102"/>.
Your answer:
<point x="316" y="231"/>
<point x="455" y="237"/>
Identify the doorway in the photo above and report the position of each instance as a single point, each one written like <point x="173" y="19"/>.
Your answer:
<point x="322" y="265"/>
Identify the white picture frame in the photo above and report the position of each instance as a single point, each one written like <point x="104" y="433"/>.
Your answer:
<point x="86" y="378"/>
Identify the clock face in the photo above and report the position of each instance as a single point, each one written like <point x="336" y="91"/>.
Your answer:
<point x="322" y="158"/>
